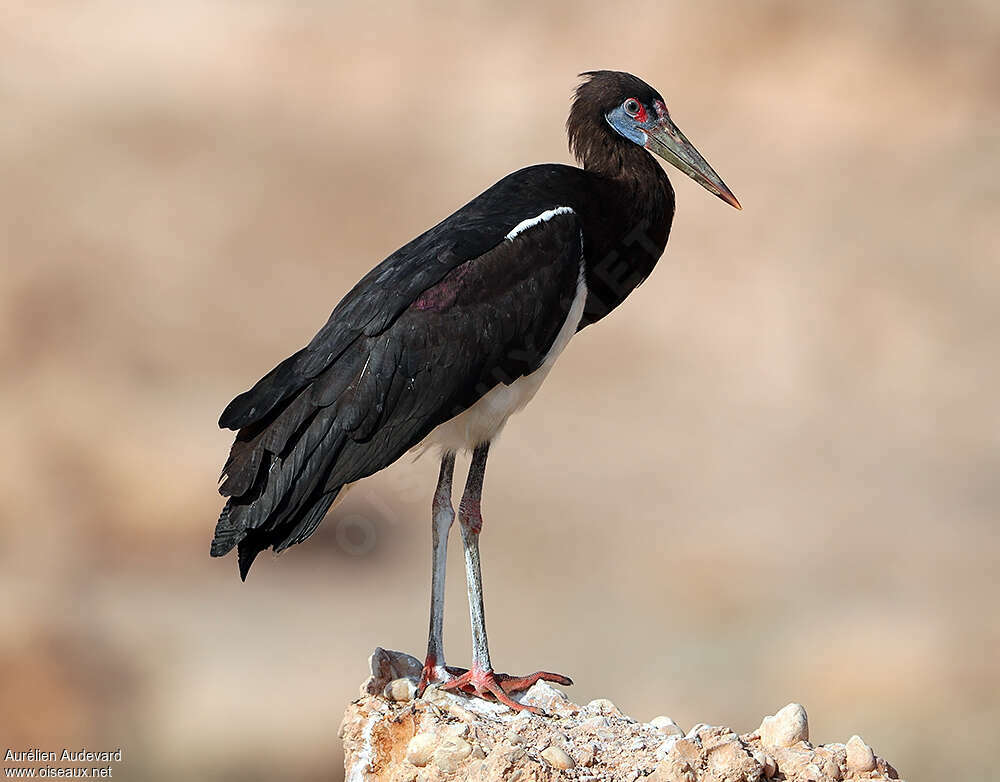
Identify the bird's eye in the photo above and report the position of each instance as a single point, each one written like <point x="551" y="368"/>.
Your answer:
<point x="631" y="107"/>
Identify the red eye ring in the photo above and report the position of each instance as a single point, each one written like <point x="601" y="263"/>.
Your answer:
<point x="632" y="107"/>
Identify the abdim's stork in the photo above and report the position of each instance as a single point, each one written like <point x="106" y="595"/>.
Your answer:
<point x="447" y="337"/>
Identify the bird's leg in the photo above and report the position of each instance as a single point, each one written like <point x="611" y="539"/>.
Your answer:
<point x="481" y="680"/>
<point x="443" y="515"/>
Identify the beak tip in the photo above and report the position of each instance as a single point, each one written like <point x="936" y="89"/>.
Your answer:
<point x="730" y="199"/>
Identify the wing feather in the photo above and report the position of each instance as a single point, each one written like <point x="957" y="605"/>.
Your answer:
<point x="410" y="347"/>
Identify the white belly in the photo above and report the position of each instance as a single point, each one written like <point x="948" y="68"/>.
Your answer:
<point x="483" y="421"/>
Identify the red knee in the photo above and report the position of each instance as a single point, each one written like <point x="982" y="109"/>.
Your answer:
<point x="471" y="516"/>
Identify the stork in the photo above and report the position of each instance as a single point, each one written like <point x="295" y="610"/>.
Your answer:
<point x="445" y="339"/>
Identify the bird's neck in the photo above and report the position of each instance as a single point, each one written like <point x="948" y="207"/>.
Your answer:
<point x="636" y="205"/>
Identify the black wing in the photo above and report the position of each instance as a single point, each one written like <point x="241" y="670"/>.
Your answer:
<point x="421" y="338"/>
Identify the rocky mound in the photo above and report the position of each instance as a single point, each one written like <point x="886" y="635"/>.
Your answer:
<point x="389" y="735"/>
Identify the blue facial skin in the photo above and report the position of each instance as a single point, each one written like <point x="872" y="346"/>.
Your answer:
<point x="626" y="126"/>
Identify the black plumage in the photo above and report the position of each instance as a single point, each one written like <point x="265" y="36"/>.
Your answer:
<point x="443" y="320"/>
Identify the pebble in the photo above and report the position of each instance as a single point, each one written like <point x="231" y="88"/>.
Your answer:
<point x="460" y="729"/>
<point x="400" y="690"/>
<point x="521" y="722"/>
<point x="587" y="753"/>
<point x="729" y="760"/>
<point x="595" y="724"/>
<point x="789" y="726"/>
<point x="666" y="726"/>
<point x="674" y="770"/>
<point x="550" y="700"/>
<point x="859" y="755"/>
<point x="459" y="713"/>
<point x="516" y="738"/>
<point x="558" y="758"/>
<point x="686" y="749"/>
<point x="420" y="749"/>
<point x="437" y="696"/>
<point x="451" y="752"/>
<point x="603" y="706"/>
<point x="766" y="762"/>
<point x="666" y="746"/>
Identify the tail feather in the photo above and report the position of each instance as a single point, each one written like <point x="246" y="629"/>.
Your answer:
<point x="308" y="523"/>
<point x="289" y="495"/>
<point x="247" y="552"/>
<point x="305" y="432"/>
<point x="226" y="535"/>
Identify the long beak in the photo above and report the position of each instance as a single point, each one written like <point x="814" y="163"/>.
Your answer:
<point x="666" y="140"/>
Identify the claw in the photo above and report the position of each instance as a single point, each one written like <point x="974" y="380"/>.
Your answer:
<point x="489" y="685"/>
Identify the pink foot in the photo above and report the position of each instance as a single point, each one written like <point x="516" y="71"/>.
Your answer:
<point x="499" y="686"/>
<point x="433" y="673"/>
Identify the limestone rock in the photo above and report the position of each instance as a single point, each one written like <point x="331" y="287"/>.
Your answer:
<point x="766" y="763"/>
<point x="666" y="726"/>
<point x="558" y="758"/>
<point x="390" y="736"/>
<point x="400" y="690"/>
<point x="786" y="728"/>
<point x="388" y="665"/>
<point x="451" y="752"/>
<point x="421" y="748"/>
<point x="859" y="755"/>
<point x="730" y="762"/>
<point x="602" y="706"/>
<point x="547" y="698"/>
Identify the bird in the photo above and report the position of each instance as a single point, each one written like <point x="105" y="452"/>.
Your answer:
<point x="440" y="343"/>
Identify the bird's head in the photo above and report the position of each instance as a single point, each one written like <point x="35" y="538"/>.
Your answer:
<point x="617" y="107"/>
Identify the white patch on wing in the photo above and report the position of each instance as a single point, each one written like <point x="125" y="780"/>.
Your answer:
<point x="544" y="217"/>
<point x="484" y="420"/>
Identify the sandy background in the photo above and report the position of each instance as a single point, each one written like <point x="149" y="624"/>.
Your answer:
<point x="771" y="476"/>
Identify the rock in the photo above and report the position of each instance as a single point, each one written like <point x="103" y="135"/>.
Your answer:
<point x="516" y="738"/>
<point x="789" y="726"/>
<point x="595" y="724"/>
<point x="666" y="726"/>
<point x="400" y="690"/>
<point x="673" y="769"/>
<point x="603" y="706"/>
<point x="459" y="713"/>
<point x="386" y="665"/>
<point x="451" y="752"/>
<point x="666" y="746"/>
<point x="793" y="762"/>
<point x="729" y="762"/>
<point x="558" y="758"/>
<point x="766" y="763"/>
<point x="587" y="753"/>
<point x="521" y="722"/>
<point x="445" y="736"/>
<point x="711" y="736"/>
<point x="420" y="749"/>
<point x="687" y="750"/>
<point x="544" y="696"/>
<point x="859" y="755"/>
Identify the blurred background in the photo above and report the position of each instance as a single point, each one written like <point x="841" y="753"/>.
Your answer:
<point x="771" y="476"/>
